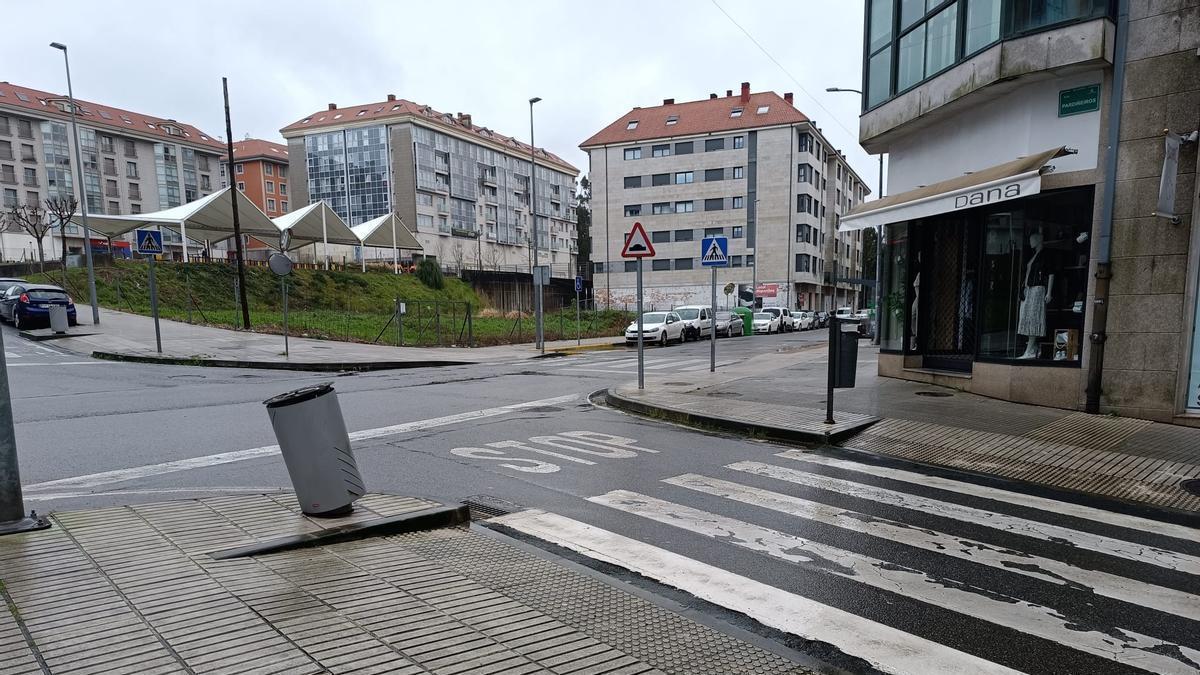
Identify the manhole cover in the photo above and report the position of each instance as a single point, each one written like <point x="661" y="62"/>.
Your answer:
<point x="1191" y="486"/>
<point x="935" y="394"/>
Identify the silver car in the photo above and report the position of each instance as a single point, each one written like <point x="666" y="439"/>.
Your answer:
<point x="729" y="325"/>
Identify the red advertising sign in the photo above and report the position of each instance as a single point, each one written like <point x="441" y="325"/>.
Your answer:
<point x="766" y="290"/>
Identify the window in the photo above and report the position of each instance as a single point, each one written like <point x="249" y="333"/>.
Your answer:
<point x="24" y="128"/>
<point x="684" y="177"/>
<point x="660" y="208"/>
<point x="270" y="204"/>
<point x="739" y="202"/>
<point x="135" y="191"/>
<point x="282" y="186"/>
<point x="31" y="177"/>
<point x="271" y="187"/>
<point x="941" y="44"/>
<point x="714" y="231"/>
<point x="805" y="140"/>
<point x="683" y="263"/>
<point x="268" y="168"/>
<point x="283" y="206"/>
<point x="10" y="198"/>
<point x="739" y="142"/>
<point x="714" y="144"/>
<point x="633" y="182"/>
<point x="672" y="120"/>
<point x="633" y="210"/>
<point x="737" y="172"/>
<point x="114" y="208"/>
<point x="735" y="261"/>
<point x="804" y="204"/>
<point x="130" y="149"/>
<point x="27" y="153"/>
<point x="283" y="171"/>
<point x="241" y="186"/>
<point x="597" y="268"/>
<point x="238" y="168"/>
<point x="660" y="150"/>
<point x="660" y="179"/>
<point x="633" y="153"/>
<point x="684" y="235"/>
<point x="739" y="231"/>
<point x="630" y="265"/>
<point x="762" y="109"/>
<point x="131" y="170"/>
<point x="803" y="263"/>
<point x="684" y="207"/>
<point x="717" y="204"/>
<point x="424" y="222"/>
<point x="424" y="199"/>
<point x="6" y="150"/>
<point x="749" y="261"/>
<point x="736" y="112"/>
<point x="660" y="264"/>
<point x="804" y="173"/>
<point x="631" y="125"/>
<point x="33" y="199"/>
<point x="714" y="174"/>
<point x="683" y="148"/>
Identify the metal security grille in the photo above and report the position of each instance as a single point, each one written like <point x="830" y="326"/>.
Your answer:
<point x="947" y="296"/>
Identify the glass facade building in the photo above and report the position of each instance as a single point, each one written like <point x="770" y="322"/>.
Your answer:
<point x="348" y="169"/>
<point x="57" y="150"/>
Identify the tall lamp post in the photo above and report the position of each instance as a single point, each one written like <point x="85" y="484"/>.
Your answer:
<point x="878" y="242"/>
<point x="83" y="210"/>
<point x="537" y="287"/>
<point x="754" y="267"/>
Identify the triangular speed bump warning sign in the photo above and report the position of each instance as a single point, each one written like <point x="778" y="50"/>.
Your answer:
<point x="637" y="244"/>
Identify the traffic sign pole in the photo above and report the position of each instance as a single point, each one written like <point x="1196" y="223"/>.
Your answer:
<point x="641" y="346"/>
<point x="578" y="331"/>
<point x="154" y="307"/>
<point x="714" y="253"/>
<point x="712" y="315"/>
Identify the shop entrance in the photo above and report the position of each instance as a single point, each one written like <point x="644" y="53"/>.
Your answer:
<point x="946" y="290"/>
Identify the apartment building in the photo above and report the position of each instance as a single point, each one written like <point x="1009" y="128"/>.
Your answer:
<point x="1040" y="239"/>
<point x="132" y="163"/>
<point x="260" y="170"/>
<point x="749" y="166"/>
<point x="461" y="188"/>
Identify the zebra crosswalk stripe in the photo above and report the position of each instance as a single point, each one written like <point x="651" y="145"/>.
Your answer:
<point x="1131" y="649"/>
<point x="1102" y="583"/>
<point x="1012" y="524"/>
<point x="884" y="647"/>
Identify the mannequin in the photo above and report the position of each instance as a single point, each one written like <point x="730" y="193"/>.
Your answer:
<point x="916" y="291"/>
<point x="1035" y="296"/>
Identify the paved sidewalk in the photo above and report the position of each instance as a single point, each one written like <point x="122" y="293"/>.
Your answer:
<point x="781" y="395"/>
<point x="122" y="336"/>
<point x="134" y="590"/>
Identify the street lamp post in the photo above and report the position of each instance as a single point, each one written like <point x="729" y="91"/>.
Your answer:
<point x="537" y="287"/>
<point x="754" y="267"/>
<point x="83" y="210"/>
<point x="878" y="243"/>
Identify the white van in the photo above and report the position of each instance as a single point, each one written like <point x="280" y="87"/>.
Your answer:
<point x="697" y="321"/>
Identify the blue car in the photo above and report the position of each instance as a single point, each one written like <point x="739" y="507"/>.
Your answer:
<point x="28" y="305"/>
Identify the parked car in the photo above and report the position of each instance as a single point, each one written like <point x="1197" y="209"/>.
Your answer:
<point x="6" y="283"/>
<point x="766" y="322"/>
<point x="844" y="313"/>
<point x="864" y="319"/>
<point x="729" y="325"/>
<point x="804" y="320"/>
<point x="784" y="315"/>
<point x="659" y="327"/>
<point x="821" y="318"/>
<point x="697" y="321"/>
<point x="27" y="305"/>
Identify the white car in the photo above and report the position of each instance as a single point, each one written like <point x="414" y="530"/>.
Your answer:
<point x="697" y="321"/>
<point x="729" y="324"/>
<point x="785" y="317"/>
<point x="844" y="313"/>
<point x="658" y="327"/>
<point x="804" y="320"/>
<point x="766" y="322"/>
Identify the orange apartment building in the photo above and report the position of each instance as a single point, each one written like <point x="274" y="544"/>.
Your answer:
<point x="260" y="170"/>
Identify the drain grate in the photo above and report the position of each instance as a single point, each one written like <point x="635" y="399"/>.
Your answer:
<point x="934" y="394"/>
<point x="1191" y="486"/>
<point x="483" y="507"/>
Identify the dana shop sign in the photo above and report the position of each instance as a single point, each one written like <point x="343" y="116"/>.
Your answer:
<point x="1079" y="100"/>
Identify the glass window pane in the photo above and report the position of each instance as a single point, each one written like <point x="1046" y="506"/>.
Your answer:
<point x="879" y="77"/>
<point x="1026" y="15"/>
<point x="912" y="59"/>
<point x="881" y="23"/>
<point x="983" y="24"/>
<point x="910" y="12"/>
<point x="940" y="45"/>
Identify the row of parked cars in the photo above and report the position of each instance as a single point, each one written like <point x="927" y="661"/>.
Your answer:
<point x="27" y="305"/>
<point x="684" y="323"/>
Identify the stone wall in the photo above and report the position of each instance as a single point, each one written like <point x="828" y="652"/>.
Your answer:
<point x="1146" y="356"/>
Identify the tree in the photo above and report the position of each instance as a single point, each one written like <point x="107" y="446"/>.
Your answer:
<point x="583" y="224"/>
<point x="31" y="218"/>
<point x="493" y="256"/>
<point x="430" y="274"/>
<point x="60" y="210"/>
<point x="458" y="255"/>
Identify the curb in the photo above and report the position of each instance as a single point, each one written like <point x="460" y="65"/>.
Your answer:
<point x="567" y="351"/>
<point x="739" y="426"/>
<point x="42" y="337"/>
<point x="353" y="366"/>
<point x="426" y="519"/>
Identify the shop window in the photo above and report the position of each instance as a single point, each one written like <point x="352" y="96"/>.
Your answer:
<point x="895" y="277"/>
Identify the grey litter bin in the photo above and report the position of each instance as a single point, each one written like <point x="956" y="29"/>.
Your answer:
<point x="316" y="449"/>
<point x="847" y="357"/>
<point x="58" y="318"/>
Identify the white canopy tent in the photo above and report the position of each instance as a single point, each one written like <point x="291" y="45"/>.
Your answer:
<point x="316" y="223"/>
<point x="207" y="219"/>
<point x="385" y="231"/>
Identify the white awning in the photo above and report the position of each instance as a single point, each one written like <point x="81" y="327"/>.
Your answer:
<point x="386" y="231"/>
<point x="1011" y="180"/>
<point x="315" y="223"/>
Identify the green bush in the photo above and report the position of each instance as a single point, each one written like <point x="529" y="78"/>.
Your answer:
<point x="430" y="274"/>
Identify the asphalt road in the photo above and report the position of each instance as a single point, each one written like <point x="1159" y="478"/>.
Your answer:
<point x="862" y="563"/>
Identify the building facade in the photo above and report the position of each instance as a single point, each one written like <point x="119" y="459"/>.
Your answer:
<point x="260" y="171"/>
<point x="462" y="189"/>
<point x="748" y="166"/>
<point x="1039" y="239"/>
<point x="132" y="163"/>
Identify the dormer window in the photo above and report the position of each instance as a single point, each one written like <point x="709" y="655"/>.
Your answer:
<point x="762" y="109"/>
<point x="737" y="112"/>
<point x="63" y="106"/>
<point x="631" y="125"/>
<point x="672" y="119"/>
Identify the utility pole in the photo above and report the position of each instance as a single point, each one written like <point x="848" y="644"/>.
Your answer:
<point x="237" y="225"/>
<point x="539" y="339"/>
<point x="12" y="504"/>
<point x="83" y="211"/>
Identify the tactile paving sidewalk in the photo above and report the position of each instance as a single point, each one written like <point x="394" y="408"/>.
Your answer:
<point x="133" y="590"/>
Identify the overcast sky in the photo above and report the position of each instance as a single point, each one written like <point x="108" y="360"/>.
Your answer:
<point x="589" y="63"/>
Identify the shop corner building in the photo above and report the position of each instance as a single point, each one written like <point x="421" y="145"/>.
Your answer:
<point x="995" y="116"/>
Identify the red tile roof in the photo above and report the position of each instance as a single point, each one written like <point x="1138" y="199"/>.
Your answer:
<point x="40" y="104"/>
<point x="399" y="108"/>
<point x="698" y="117"/>
<point x="254" y="148"/>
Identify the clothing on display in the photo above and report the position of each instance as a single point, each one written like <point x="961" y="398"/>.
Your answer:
<point x="1031" y="321"/>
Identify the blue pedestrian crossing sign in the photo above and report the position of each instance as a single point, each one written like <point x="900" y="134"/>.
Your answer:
<point x="148" y="242"/>
<point x="714" y="252"/>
